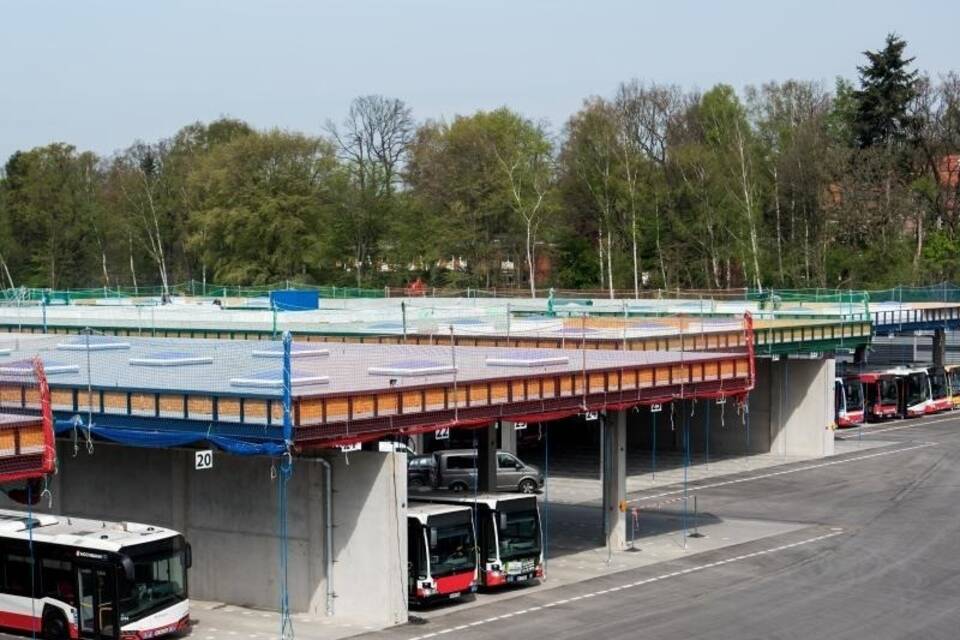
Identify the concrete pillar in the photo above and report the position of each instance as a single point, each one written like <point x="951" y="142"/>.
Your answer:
<point x="417" y="440"/>
<point x="487" y="459"/>
<point x="614" y="479"/>
<point x="508" y="436"/>
<point x="860" y="355"/>
<point x="939" y="347"/>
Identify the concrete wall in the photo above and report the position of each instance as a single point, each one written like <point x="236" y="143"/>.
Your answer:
<point x="229" y="516"/>
<point x="789" y="414"/>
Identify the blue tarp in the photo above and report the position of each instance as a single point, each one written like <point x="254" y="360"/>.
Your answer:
<point x="166" y="439"/>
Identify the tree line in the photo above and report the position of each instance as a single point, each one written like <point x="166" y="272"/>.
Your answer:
<point x="789" y="184"/>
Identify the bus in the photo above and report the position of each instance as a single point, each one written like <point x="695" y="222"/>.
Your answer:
<point x="913" y="387"/>
<point x="940" y="397"/>
<point x="881" y="394"/>
<point x="953" y="379"/>
<point x="72" y="578"/>
<point x="441" y="552"/>
<point x="508" y="534"/>
<point x="848" y="397"/>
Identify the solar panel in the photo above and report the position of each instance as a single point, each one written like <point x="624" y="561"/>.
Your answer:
<point x="273" y="379"/>
<point x="527" y="359"/>
<point x="170" y="359"/>
<point x="25" y="368"/>
<point x="297" y="350"/>
<point x="413" y="368"/>
<point x="93" y="343"/>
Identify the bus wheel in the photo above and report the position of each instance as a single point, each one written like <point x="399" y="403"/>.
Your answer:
<point x="528" y="486"/>
<point x="55" y="626"/>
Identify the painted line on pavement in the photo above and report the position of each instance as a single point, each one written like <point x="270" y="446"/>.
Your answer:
<point x="661" y="577"/>
<point x="774" y="474"/>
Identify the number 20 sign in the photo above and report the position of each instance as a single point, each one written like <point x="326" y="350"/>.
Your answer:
<point x="203" y="459"/>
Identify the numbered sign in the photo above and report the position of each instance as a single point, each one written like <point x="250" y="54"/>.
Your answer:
<point x="203" y="459"/>
<point x="519" y="426"/>
<point x="591" y="416"/>
<point x="442" y="434"/>
<point x="656" y="408"/>
<point x="347" y="448"/>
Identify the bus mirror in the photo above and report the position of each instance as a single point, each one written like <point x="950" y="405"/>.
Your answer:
<point x="128" y="570"/>
<point x="433" y="537"/>
<point x="503" y="520"/>
<point x="188" y="557"/>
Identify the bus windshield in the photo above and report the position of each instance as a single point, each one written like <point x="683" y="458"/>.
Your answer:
<point x="519" y="534"/>
<point x="159" y="581"/>
<point x="954" y="376"/>
<point x="854" y="395"/>
<point x="452" y="549"/>
<point x="938" y="385"/>
<point x="917" y="388"/>
<point x="888" y="391"/>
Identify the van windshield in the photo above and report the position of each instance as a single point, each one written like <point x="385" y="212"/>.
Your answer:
<point x="519" y="534"/>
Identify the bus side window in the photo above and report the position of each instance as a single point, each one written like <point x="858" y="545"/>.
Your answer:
<point x="18" y="571"/>
<point x="57" y="580"/>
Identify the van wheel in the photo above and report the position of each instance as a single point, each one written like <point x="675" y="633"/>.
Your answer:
<point x="458" y="487"/>
<point x="528" y="486"/>
<point x="55" y="626"/>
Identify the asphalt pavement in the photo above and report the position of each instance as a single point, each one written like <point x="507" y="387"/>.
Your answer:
<point x="876" y="557"/>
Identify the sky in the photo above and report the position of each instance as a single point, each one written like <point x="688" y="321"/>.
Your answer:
<point x="100" y="74"/>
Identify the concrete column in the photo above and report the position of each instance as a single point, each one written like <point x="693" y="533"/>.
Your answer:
<point x="508" y="436"/>
<point x="487" y="459"/>
<point x="418" y="441"/>
<point x="939" y="347"/>
<point x="614" y="479"/>
<point x="860" y="354"/>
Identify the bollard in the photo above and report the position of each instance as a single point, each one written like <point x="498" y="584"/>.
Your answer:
<point x="696" y="521"/>
<point x="634" y="513"/>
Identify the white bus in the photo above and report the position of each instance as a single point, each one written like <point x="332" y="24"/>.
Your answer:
<point x="70" y="578"/>
<point x="508" y="533"/>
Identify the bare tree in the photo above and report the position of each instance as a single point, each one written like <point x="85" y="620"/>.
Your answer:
<point x="374" y="140"/>
<point x="373" y="143"/>
<point x="139" y="175"/>
<point x="527" y="163"/>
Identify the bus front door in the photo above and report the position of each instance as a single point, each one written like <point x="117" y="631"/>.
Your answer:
<point x="97" y="613"/>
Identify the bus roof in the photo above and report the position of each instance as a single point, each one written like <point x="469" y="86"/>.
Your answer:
<point x="423" y="511"/>
<point x="906" y="371"/>
<point x="78" y="532"/>
<point x="491" y="500"/>
<point x="873" y="376"/>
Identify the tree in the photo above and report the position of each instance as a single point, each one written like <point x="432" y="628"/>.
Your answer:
<point x="263" y="202"/>
<point x="372" y="145"/>
<point x="883" y="100"/>
<point x="525" y="156"/>
<point x="591" y="155"/>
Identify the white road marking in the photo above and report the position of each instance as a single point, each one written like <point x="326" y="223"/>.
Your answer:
<point x="665" y="576"/>
<point x="774" y="474"/>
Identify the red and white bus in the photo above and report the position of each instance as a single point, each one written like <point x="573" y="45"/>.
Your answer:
<point x="913" y="386"/>
<point x="71" y="578"/>
<point x="508" y="534"/>
<point x="940" y="396"/>
<point x="441" y="552"/>
<point x="882" y="396"/>
<point x="848" y="397"/>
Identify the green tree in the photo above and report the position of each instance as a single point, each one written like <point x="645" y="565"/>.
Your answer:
<point x="887" y="87"/>
<point x="262" y="200"/>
